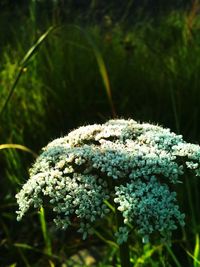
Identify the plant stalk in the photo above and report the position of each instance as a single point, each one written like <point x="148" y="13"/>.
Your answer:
<point x="124" y="253"/>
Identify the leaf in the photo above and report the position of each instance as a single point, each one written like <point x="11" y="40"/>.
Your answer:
<point x="35" y="47"/>
<point x="196" y="252"/>
<point x="176" y="262"/>
<point x="24" y="246"/>
<point x="23" y="64"/>
<point x="44" y="231"/>
<point x="17" y="146"/>
<point x="102" y="68"/>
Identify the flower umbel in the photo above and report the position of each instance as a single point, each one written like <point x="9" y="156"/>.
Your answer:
<point x="122" y="161"/>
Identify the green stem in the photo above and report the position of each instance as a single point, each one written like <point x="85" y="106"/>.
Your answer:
<point x="124" y="247"/>
<point x="173" y="256"/>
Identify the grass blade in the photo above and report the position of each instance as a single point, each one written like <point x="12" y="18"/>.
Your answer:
<point x="147" y="255"/>
<point x="25" y="260"/>
<point x="173" y="256"/>
<point x="102" y="69"/>
<point x="44" y="232"/>
<point x="20" y="147"/>
<point x="24" y="246"/>
<point x="197" y="252"/>
<point x="196" y="262"/>
<point x="23" y="64"/>
<point x="31" y="248"/>
<point x="35" y="47"/>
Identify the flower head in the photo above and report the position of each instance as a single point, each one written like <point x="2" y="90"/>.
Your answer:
<point x="121" y="161"/>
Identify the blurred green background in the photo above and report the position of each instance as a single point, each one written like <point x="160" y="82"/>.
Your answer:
<point x="64" y="64"/>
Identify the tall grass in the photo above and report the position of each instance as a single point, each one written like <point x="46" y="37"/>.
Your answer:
<point x="148" y="71"/>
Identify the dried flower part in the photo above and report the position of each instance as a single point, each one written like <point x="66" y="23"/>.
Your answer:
<point x="123" y="161"/>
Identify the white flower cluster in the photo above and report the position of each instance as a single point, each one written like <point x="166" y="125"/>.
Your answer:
<point x="151" y="205"/>
<point x="121" y="161"/>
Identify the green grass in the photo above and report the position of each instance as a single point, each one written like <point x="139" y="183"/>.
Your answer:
<point x="148" y="71"/>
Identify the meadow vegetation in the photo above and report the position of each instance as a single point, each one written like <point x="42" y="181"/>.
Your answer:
<point x="60" y="71"/>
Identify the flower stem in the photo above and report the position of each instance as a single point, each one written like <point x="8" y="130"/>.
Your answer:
<point x="124" y="253"/>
